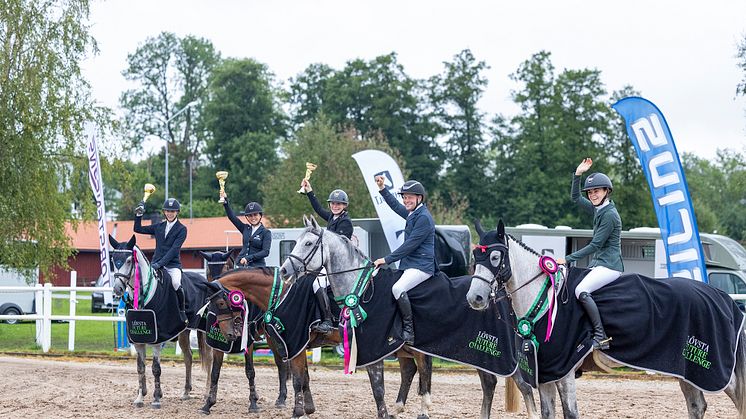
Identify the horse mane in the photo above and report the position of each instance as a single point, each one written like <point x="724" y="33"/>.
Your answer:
<point x="350" y="246"/>
<point x="523" y="245"/>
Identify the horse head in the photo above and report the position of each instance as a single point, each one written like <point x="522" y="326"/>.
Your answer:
<point x="227" y="308"/>
<point x="307" y="255"/>
<point x="218" y="263"/>
<point x="122" y="260"/>
<point x="492" y="266"/>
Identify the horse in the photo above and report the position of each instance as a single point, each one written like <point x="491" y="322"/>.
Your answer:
<point x="125" y="259"/>
<point x="218" y="264"/>
<point x="512" y="265"/>
<point x="317" y="248"/>
<point x="256" y="286"/>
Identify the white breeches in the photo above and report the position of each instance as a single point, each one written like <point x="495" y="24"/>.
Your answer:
<point x="320" y="281"/>
<point x="175" y="274"/>
<point x="596" y="278"/>
<point x="409" y="279"/>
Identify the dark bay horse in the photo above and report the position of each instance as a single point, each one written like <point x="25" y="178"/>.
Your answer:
<point x="342" y="260"/>
<point x="218" y="264"/>
<point x="124" y="258"/>
<point x="513" y="265"/>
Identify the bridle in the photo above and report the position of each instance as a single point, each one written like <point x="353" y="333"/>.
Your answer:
<point x="125" y="278"/>
<point x="319" y="244"/>
<point x="502" y="273"/>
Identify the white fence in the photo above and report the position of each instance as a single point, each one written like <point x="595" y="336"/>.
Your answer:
<point x="43" y="302"/>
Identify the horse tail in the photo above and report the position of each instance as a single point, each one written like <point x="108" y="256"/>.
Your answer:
<point x="205" y="352"/>
<point x="740" y="371"/>
<point x="512" y="396"/>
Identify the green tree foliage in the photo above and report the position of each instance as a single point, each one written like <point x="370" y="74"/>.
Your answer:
<point x="169" y="73"/>
<point x="44" y="102"/>
<point x="318" y="142"/>
<point x="455" y="96"/>
<point x="246" y="123"/>
<point x="374" y="98"/>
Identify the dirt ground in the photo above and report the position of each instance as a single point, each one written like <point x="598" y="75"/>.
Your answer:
<point x="44" y="388"/>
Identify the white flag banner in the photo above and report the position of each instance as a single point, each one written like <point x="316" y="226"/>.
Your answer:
<point x="377" y="163"/>
<point x="94" y="177"/>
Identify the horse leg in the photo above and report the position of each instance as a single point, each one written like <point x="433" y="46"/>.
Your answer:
<point x="425" y="370"/>
<point x="212" y="395"/>
<point x="528" y="395"/>
<point x="251" y="375"/>
<point x="407" y="369"/>
<point x="695" y="400"/>
<point x="205" y="357"/>
<point x="488" y="382"/>
<point x="309" y="406"/>
<point x="375" y="374"/>
<point x="567" y="394"/>
<point x="547" y="394"/>
<point x="187" y="351"/>
<point x="282" y="373"/>
<point x="157" y="392"/>
<point x="299" y="369"/>
<point x="736" y="389"/>
<point x="142" y="391"/>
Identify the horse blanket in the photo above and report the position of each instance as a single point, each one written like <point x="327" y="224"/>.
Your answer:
<point x="674" y="326"/>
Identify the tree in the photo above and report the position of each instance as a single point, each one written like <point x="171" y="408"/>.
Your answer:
<point x="246" y="123"/>
<point x="170" y="73"/>
<point x="318" y="142"/>
<point x="44" y="102"/>
<point x="373" y="98"/>
<point x="455" y="95"/>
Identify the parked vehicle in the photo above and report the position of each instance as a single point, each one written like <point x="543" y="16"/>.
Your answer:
<point x="98" y="304"/>
<point x="16" y="303"/>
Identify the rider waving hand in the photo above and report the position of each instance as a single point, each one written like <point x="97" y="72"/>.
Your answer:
<point x="605" y="246"/>
<point x="417" y="253"/>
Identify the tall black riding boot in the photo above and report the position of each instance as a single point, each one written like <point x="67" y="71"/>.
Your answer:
<point x="182" y="304"/>
<point x="326" y="325"/>
<point x="405" y="309"/>
<point x="600" y="340"/>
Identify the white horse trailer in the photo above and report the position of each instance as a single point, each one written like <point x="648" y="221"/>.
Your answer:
<point x="17" y="303"/>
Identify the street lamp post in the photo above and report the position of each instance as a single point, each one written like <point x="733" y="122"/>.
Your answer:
<point x="188" y="105"/>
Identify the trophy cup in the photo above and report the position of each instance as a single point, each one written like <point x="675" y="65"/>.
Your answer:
<point x="148" y="190"/>
<point x="310" y="167"/>
<point x="221" y="180"/>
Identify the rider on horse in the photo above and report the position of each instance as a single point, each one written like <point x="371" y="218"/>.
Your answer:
<point x="169" y="237"/>
<point x="417" y="253"/>
<point x="257" y="240"/>
<point x="338" y="221"/>
<point x="606" y="265"/>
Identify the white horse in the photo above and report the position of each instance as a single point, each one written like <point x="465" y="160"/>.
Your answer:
<point x="123" y="256"/>
<point x="506" y="254"/>
<point x="317" y="247"/>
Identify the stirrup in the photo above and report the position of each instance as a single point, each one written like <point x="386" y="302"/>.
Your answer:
<point x="324" y="329"/>
<point x="602" y="344"/>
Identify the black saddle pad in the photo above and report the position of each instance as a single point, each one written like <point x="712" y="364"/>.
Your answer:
<point x="675" y="326"/>
<point x="142" y="326"/>
<point x="165" y="308"/>
<point x="196" y="290"/>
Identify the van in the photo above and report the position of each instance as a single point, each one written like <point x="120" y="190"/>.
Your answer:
<point x="16" y="303"/>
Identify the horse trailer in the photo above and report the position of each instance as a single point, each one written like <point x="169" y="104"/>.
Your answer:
<point x="16" y="303"/>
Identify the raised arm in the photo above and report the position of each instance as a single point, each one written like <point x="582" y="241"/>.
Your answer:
<point x="326" y="215"/>
<point x="139" y="228"/>
<point x="231" y="216"/>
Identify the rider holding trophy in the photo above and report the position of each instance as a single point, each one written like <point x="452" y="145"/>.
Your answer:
<point x="417" y="253"/>
<point x="605" y="246"/>
<point x="169" y="237"/>
<point x="256" y="239"/>
<point x="338" y="221"/>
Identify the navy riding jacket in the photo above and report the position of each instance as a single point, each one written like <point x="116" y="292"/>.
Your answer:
<point x="167" y="248"/>
<point x="341" y="225"/>
<point x="418" y="249"/>
<point x="255" y="246"/>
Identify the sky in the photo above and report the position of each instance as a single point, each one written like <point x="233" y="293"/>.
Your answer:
<point x="679" y="54"/>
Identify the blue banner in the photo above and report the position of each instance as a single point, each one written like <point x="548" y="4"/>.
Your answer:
<point x="648" y="130"/>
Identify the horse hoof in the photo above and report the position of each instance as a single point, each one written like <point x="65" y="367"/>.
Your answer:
<point x="254" y="409"/>
<point x="423" y="417"/>
<point x="186" y="397"/>
<point x="280" y="405"/>
<point x="155" y="405"/>
<point x="204" y="412"/>
<point x="138" y="404"/>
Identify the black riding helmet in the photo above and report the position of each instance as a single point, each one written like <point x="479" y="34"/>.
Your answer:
<point x="338" y="195"/>
<point x="415" y="188"/>
<point x="597" y="180"/>
<point x="253" y="208"/>
<point x="171" y="204"/>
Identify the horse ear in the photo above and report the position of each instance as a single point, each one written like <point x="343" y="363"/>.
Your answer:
<point x="131" y="243"/>
<point x="204" y="255"/>
<point x="478" y="227"/>
<point x="222" y="256"/>
<point x="500" y="229"/>
<point x="314" y="223"/>
<point x="306" y="222"/>
<point x="113" y="242"/>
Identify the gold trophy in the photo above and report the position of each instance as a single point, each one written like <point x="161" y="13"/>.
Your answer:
<point x="310" y="167"/>
<point x="148" y="190"/>
<point x="221" y="180"/>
